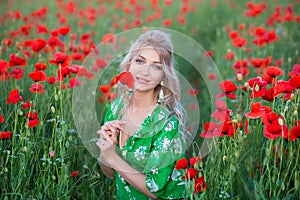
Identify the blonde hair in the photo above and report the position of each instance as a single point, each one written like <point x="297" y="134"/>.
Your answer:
<point x="161" y="42"/>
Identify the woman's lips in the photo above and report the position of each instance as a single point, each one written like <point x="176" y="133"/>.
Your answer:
<point x="142" y="81"/>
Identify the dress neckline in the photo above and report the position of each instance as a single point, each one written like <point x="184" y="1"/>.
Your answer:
<point x="139" y="127"/>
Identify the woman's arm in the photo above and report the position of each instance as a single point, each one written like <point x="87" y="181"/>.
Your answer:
<point x="135" y="178"/>
<point x="108" y="154"/>
<point x="107" y="171"/>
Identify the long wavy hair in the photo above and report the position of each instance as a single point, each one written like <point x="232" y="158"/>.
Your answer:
<point x="161" y="42"/>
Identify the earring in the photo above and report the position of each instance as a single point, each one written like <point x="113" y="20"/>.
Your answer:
<point x="161" y="93"/>
<point x="129" y="91"/>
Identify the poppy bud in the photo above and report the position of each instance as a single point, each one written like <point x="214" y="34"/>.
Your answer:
<point x="236" y="154"/>
<point x="247" y="85"/>
<point x="224" y="158"/>
<point x="295" y="113"/>
<point x="280" y="121"/>
<point x="20" y="112"/>
<point x="292" y="97"/>
<point x="256" y="88"/>
<point x="289" y="59"/>
<point x="239" y="76"/>
<point x="52" y="109"/>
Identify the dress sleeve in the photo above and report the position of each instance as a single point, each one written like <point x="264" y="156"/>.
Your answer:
<point x="168" y="147"/>
<point x="112" y="110"/>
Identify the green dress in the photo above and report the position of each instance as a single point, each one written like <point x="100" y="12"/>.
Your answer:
<point x="153" y="149"/>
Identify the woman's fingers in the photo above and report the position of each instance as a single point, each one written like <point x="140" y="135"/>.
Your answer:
<point x="115" y="126"/>
<point x="111" y="129"/>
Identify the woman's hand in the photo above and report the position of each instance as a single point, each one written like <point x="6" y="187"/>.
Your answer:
<point x="112" y="128"/>
<point x="108" y="140"/>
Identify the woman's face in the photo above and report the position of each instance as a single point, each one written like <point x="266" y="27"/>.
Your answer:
<point x="146" y="69"/>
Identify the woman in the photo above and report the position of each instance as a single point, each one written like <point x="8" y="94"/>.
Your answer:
<point x="143" y="135"/>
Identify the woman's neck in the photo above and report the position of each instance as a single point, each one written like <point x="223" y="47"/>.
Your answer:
<point x="141" y="101"/>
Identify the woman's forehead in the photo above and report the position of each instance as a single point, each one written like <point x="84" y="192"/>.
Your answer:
<point x="149" y="53"/>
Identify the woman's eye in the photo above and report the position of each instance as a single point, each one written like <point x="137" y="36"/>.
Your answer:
<point x="157" y="67"/>
<point x="138" y="61"/>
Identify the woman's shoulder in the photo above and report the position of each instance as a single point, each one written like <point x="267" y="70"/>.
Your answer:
<point x="114" y="107"/>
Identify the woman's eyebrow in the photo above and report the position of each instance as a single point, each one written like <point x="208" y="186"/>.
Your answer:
<point x="146" y="59"/>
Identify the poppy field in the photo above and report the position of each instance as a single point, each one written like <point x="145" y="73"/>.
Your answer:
<point x="252" y="123"/>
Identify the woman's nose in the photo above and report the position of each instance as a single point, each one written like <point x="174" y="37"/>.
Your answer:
<point x="146" y="69"/>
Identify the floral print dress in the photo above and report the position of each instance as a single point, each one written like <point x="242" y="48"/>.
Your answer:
<point x="153" y="149"/>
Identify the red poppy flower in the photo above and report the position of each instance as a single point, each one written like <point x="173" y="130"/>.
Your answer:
<point x="104" y="88"/>
<point x="240" y="64"/>
<point x="194" y="160"/>
<point x="272" y="37"/>
<point x="14" y="97"/>
<point x="274" y="71"/>
<point x="3" y="70"/>
<point x="294" y="81"/>
<point x="7" y="41"/>
<point x="258" y="87"/>
<point x="260" y="31"/>
<point x="193" y="92"/>
<point x="51" y="80"/>
<point x="257" y="111"/>
<point x="77" y="56"/>
<point x="239" y="42"/>
<point x="234" y="34"/>
<point x="100" y="63"/>
<point x="54" y="41"/>
<point x="16" y="61"/>
<point x="211" y="130"/>
<point x="38" y="44"/>
<point x="200" y="185"/>
<point x="60" y="59"/>
<point x="227" y="88"/>
<point x="228" y="128"/>
<point x="273" y="131"/>
<point x="27" y="105"/>
<point x="282" y="86"/>
<point x="181" y="164"/>
<point x="33" y="119"/>
<point x="62" y="73"/>
<point x="64" y="30"/>
<point x="1" y="118"/>
<point x="42" y="29"/>
<point x="84" y="72"/>
<point x="190" y="174"/>
<point x="36" y="88"/>
<point x="37" y="76"/>
<point x="208" y="53"/>
<point x="126" y="78"/>
<point x="221" y="114"/>
<point x="5" y="134"/>
<point x="40" y="66"/>
<point x="111" y="38"/>
<point x="274" y="126"/>
<point x="229" y="55"/>
<point x="74" y="82"/>
<point x="17" y="73"/>
<point x="193" y="106"/>
<point x="294" y="72"/>
<point x="294" y="133"/>
<point x="167" y="22"/>
<point x="3" y="66"/>
<point x="74" y="174"/>
<point x="212" y="76"/>
<point x="257" y="62"/>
